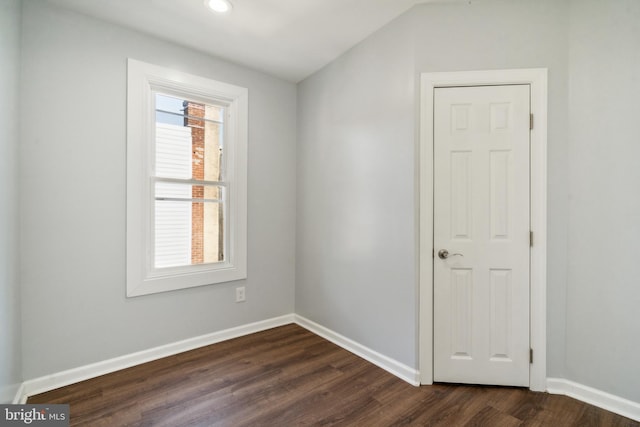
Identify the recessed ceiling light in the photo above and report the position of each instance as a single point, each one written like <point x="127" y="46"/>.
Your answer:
<point x="218" y="6"/>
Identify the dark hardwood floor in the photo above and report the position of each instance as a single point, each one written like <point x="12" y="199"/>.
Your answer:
<point x="288" y="376"/>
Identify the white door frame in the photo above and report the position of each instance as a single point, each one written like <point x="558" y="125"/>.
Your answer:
<point x="537" y="79"/>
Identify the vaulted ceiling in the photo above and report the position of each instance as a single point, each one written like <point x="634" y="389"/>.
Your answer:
<point x="290" y="39"/>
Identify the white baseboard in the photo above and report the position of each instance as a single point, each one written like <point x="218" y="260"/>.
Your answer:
<point x="592" y="396"/>
<point x="392" y="366"/>
<point x="20" y="396"/>
<point x="71" y="376"/>
<point x="601" y="399"/>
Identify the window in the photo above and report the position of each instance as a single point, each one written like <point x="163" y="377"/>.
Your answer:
<point x="186" y="180"/>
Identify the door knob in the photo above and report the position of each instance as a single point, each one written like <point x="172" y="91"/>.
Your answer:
<point x="444" y="254"/>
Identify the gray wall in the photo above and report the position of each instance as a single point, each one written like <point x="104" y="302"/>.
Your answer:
<point x="355" y="266"/>
<point x="504" y="34"/>
<point x="72" y="197"/>
<point x="10" y="335"/>
<point x="357" y="231"/>
<point x="603" y="295"/>
<point x="356" y="236"/>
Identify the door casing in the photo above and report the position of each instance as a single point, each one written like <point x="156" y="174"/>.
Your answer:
<point x="537" y="79"/>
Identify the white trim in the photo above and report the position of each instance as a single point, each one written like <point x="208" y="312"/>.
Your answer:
<point x="142" y="80"/>
<point x="595" y="397"/>
<point x="390" y="365"/>
<point x="20" y="397"/>
<point x="601" y="399"/>
<point x="71" y="376"/>
<point x="537" y="78"/>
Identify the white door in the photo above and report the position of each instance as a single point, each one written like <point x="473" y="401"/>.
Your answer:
<point x="481" y="218"/>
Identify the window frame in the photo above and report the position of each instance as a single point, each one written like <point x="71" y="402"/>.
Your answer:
<point x="143" y="81"/>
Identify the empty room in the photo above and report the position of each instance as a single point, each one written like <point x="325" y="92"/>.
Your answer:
<point x="320" y="212"/>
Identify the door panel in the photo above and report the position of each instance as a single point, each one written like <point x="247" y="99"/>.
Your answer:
<point x="481" y="217"/>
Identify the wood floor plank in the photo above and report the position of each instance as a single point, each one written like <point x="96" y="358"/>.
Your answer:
<point x="288" y="376"/>
<point x="490" y="416"/>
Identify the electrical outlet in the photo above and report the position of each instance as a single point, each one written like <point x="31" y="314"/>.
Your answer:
<point x="240" y="294"/>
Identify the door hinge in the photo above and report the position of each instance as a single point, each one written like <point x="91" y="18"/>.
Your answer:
<point x="531" y="238"/>
<point x="530" y="121"/>
<point x="530" y="355"/>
